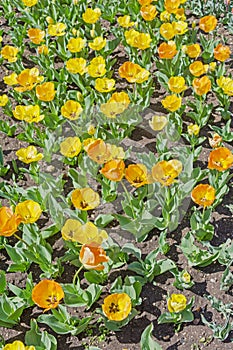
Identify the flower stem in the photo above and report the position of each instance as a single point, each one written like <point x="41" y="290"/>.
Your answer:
<point x="22" y="240"/>
<point x="76" y="274"/>
<point x="129" y="199"/>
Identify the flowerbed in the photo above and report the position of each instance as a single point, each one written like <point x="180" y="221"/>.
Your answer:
<point x="112" y="201"/>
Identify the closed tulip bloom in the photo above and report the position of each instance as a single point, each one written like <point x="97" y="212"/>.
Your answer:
<point x="201" y="85"/>
<point x="180" y="27"/>
<point x="145" y="2"/>
<point x="76" y="66"/>
<point x="57" y="29"/>
<point x="97" y="67"/>
<point x="122" y="98"/>
<point x="104" y="84"/>
<point x="203" y="195"/>
<point x="176" y="303"/>
<point x="29" y="113"/>
<point x="193" y="50"/>
<point x="113" y="170"/>
<point x="148" y="12"/>
<point x="71" y="110"/>
<point x="3" y="100"/>
<point x="29" y="3"/>
<point x="208" y="23"/>
<point x="167" y="31"/>
<point x="45" y="92"/>
<point x="177" y="84"/>
<point x="124" y="21"/>
<point x="172" y="5"/>
<point x="172" y="102"/>
<point x="29" y="154"/>
<point x="158" y="122"/>
<point x="76" y="44"/>
<point x="18" y="345"/>
<point x="137" y="175"/>
<point x="71" y="147"/>
<point x="117" y="306"/>
<point x="85" y="198"/>
<point x="92" y="257"/>
<point x="36" y="35"/>
<point x="167" y="50"/>
<point x="98" y="43"/>
<point x="91" y="16"/>
<point x="29" y="211"/>
<point x="197" y="68"/>
<point x="226" y="84"/>
<point x="193" y="129"/>
<point x="9" y="222"/>
<point x="9" y="53"/>
<point x="220" y="159"/>
<point x="222" y="52"/>
<point x="47" y="294"/>
<point x="43" y="50"/>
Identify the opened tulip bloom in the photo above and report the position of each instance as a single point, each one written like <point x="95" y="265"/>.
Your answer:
<point x="85" y="198"/>
<point x="47" y="294"/>
<point x="71" y="110"/>
<point x="9" y="53"/>
<point x="113" y="170"/>
<point x="29" y="211"/>
<point x="18" y="345"/>
<point x="222" y="52"/>
<point x="117" y="306"/>
<point x="9" y="222"/>
<point x="203" y="195"/>
<point x="176" y="303"/>
<point x="29" y="154"/>
<point x="137" y="175"/>
<point x="166" y="172"/>
<point x="92" y="257"/>
<point x="71" y="147"/>
<point x="87" y="233"/>
<point x="220" y="159"/>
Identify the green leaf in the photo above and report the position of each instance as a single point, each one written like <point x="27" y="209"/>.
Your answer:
<point x="147" y="342"/>
<point x="40" y="339"/>
<point x="2" y="281"/>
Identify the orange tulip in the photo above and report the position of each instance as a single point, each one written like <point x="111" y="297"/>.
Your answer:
<point x="201" y="85"/>
<point x="167" y="50"/>
<point x="220" y="159"/>
<point x="197" y="68"/>
<point x="92" y="257"/>
<point x="133" y="73"/>
<point x="8" y="222"/>
<point x="98" y="151"/>
<point x="222" y="52"/>
<point x="203" y="195"/>
<point x="36" y="35"/>
<point x="47" y="294"/>
<point x="208" y="23"/>
<point x="113" y="170"/>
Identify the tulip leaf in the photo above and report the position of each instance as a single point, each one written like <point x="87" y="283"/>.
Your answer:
<point x="2" y="281"/>
<point x="40" y="339"/>
<point x="147" y="342"/>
